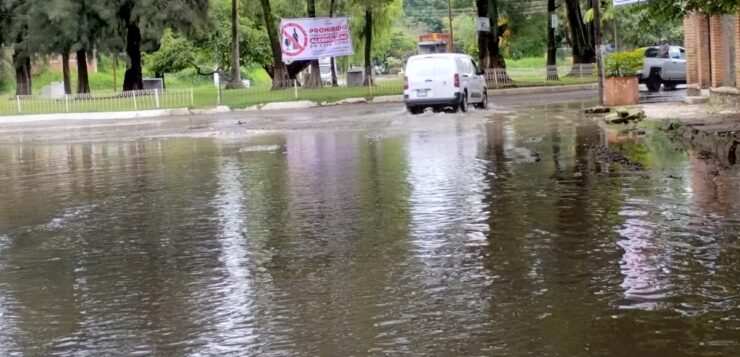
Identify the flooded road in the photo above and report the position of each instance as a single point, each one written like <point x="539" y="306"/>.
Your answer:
<point x="486" y="234"/>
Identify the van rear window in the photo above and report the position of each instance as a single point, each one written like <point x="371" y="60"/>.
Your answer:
<point x="428" y="67"/>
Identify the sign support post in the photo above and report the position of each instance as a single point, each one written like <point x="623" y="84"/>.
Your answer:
<point x="596" y="5"/>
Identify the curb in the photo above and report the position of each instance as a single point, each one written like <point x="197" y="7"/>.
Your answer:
<point x="542" y="90"/>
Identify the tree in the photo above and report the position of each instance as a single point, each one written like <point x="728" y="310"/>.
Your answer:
<point x="639" y="27"/>
<point x="376" y="18"/>
<point x="279" y="71"/>
<point x="209" y="51"/>
<point x="332" y="62"/>
<point x="581" y="34"/>
<point x="153" y="16"/>
<point x="15" y="30"/>
<point x="489" y="49"/>
<point x="64" y="26"/>
<point x="552" y="72"/>
<point x="314" y="80"/>
<point x="235" y="81"/>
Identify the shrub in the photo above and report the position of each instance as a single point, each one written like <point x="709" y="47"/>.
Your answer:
<point x="624" y="64"/>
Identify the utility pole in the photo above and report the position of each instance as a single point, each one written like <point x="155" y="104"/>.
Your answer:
<point x="452" y="37"/>
<point x="596" y="5"/>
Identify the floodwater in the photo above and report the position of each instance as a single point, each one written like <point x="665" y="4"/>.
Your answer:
<point x="495" y="234"/>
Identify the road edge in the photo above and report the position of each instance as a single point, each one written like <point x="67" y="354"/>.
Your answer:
<point x="158" y="113"/>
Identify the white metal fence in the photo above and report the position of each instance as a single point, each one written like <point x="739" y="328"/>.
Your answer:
<point x="549" y="75"/>
<point x="124" y="101"/>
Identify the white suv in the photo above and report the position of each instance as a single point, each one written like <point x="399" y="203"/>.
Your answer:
<point x="443" y="81"/>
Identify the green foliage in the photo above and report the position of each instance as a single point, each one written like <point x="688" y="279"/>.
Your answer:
<point x="5" y="71"/>
<point x="527" y="35"/>
<point x="624" y="64"/>
<point x="174" y="55"/>
<point x="466" y="33"/>
<point x="385" y="14"/>
<point x="393" y="62"/>
<point x="676" y="9"/>
<point x="638" y="27"/>
<point x="527" y="62"/>
<point x="402" y="45"/>
<point x="212" y="47"/>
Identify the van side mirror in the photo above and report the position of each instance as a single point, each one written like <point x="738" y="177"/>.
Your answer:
<point x="480" y="72"/>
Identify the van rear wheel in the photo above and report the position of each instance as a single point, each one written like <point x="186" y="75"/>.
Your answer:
<point x="464" y="102"/>
<point x="414" y="110"/>
<point x="484" y="101"/>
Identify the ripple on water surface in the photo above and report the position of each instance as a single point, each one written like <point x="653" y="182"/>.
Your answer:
<point x="456" y="235"/>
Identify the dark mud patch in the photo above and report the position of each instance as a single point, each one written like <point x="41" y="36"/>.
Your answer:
<point x="610" y="156"/>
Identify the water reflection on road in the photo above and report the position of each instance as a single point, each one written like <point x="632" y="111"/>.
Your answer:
<point x="463" y="235"/>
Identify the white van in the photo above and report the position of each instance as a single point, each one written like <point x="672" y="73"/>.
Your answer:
<point x="443" y="81"/>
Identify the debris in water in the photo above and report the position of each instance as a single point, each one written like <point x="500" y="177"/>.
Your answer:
<point x="260" y="148"/>
<point x="624" y="116"/>
<point x="523" y="155"/>
<point x="608" y="155"/>
<point x="597" y="110"/>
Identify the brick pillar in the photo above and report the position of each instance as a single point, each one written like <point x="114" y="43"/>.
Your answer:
<point x="737" y="50"/>
<point x="717" y="50"/>
<point x="690" y="30"/>
<point x="702" y="50"/>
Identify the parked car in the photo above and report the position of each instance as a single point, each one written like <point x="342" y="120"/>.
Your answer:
<point x="443" y="81"/>
<point x="668" y="72"/>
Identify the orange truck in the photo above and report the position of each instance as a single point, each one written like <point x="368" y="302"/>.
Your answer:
<point x="434" y="43"/>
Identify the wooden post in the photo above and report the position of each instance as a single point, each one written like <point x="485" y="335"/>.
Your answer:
<point x="115" y="64"/>
<point x="452" y="37"/>
<point x="596" y="5"/>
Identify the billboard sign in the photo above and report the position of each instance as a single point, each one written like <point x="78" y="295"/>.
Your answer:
<point x="314" y="38"/>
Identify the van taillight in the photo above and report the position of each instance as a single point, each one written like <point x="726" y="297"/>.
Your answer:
<point x="456" y="81"/>
<point x="405" y="83"/>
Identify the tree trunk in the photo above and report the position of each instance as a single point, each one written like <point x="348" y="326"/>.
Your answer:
<point x="494" y="50"/>
<point x="280" y="78"/>
<point x="552" y="71"/>
<point x="83" y="84"/>
<point x="22" y="75"/>
<point x="65" y="72"/>
<point x="488" y="42"/>
<point x="132" y="79"/>
<point x="334" y="81"/>
<point x="314" y="79"/>
<point x="482" y="7"/>
<point x="236" y="80"/>
<point x="368" y="46"/>
<point x="581" y="39"/>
